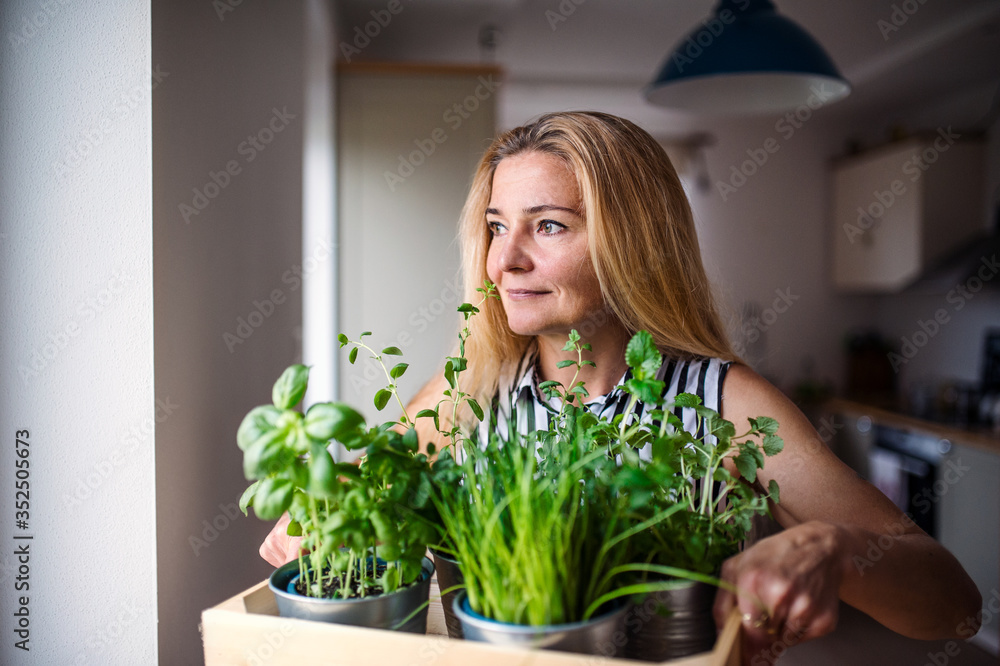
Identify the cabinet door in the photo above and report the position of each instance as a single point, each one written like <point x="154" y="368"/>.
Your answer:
<point x="877" y="214"/>
<point x="967" y="497"/>
<point x="408" y="144"/>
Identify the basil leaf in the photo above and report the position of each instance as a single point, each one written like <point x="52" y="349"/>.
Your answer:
<point x="273" y="498"/>
<point x="331" y="420"/>
<point x="259" y="421"/>
<point x="290" y="387"/>
<point x="268" y="455"/>
<point x="322" y="478"/>
<point x="246" y="499"/>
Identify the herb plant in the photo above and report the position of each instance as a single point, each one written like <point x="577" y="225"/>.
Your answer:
<point x="364" y="527"/>
<point x="550" y="525"/>
<point x="687" y="468"/>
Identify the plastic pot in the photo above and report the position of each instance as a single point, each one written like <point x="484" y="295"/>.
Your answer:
<point x="382" y="611"/>
<point x="601" y="635"/>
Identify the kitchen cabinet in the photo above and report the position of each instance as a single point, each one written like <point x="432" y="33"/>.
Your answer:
<point x="903" y="207"/>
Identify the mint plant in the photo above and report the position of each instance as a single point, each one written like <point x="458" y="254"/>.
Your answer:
<point x="687" y="468"/>
<point x="453" y="368"/>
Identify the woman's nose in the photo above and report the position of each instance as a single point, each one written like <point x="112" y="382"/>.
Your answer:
<point x="515" y="254"/>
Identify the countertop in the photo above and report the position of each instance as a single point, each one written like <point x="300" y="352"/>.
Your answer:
<point x="979" y="437"/>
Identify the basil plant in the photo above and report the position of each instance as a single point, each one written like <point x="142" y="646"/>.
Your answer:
<point x="365" y="527"/>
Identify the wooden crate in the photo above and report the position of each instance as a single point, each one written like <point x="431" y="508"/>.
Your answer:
<point x="247" y="631"/>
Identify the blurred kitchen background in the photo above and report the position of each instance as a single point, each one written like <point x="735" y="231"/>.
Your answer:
<point x="298" y="169"/>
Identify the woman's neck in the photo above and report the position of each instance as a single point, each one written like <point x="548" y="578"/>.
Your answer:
<point x="608" y="354"/>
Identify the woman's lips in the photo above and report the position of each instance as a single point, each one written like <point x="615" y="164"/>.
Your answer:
<point x="524" y="294"/>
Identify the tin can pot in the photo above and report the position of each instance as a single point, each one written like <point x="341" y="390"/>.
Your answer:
<point x="449" y="574"/>
<point x="671" y="623"/>
<point x="381" y="611"/>
<point x="601" y="635"/>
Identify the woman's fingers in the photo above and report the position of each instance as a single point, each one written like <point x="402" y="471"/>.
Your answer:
<point x="787" y="590"/>
<point x="279" y="548"/>
<point x="812" y="616"/>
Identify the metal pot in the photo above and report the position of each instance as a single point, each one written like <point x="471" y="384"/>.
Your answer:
<point x="383" y="611"/>
<point x="449" y="574"/>
<point x="671" y="623"/>
<point x="601" y="635"/>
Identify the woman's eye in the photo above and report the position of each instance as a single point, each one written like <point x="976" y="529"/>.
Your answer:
<point x="550" y="227"/>
<point x="496" y="229"/>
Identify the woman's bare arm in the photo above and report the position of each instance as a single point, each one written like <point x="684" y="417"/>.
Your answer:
<point x="843" y="539"/>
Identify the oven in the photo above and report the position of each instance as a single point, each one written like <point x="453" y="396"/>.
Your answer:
<point x="904" y="465"/>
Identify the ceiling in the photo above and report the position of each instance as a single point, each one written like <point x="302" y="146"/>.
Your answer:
<point x="941" y="47"/>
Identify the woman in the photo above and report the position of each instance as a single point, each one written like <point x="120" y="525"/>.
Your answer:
<point x="581" y="222"/>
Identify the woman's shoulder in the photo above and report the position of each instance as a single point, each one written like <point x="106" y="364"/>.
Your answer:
<point x="745" y="393"/>
<point x="748" y="395"/>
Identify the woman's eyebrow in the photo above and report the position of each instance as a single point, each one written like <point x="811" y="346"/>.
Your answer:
<point x="534" y="210"/>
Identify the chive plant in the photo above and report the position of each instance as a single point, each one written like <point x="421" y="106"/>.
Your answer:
<point x="551" y="525"/>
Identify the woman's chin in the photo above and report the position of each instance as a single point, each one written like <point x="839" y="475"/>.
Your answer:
<point x="537" y="328"/>
<point x="526" y="326"/>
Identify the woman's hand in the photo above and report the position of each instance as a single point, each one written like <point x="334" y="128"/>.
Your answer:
<point x="279" y="548"/>
<point x="788" y="590"/>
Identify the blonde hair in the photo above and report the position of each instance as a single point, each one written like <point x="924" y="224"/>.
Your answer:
<point x="640" y="232"/>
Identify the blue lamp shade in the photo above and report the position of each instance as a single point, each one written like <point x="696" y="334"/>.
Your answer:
<point x="747" y="59"/>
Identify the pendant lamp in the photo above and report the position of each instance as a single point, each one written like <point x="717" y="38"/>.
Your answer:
<point x="747" y="59"/>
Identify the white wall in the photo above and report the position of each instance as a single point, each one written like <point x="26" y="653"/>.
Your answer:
<point x="76" y="353"/>
<point x="234" y="75"/>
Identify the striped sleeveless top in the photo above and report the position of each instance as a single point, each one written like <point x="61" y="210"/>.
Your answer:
<point x="702" y="377"/>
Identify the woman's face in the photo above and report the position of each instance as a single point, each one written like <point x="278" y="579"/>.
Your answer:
<point x="538" y="255"/>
